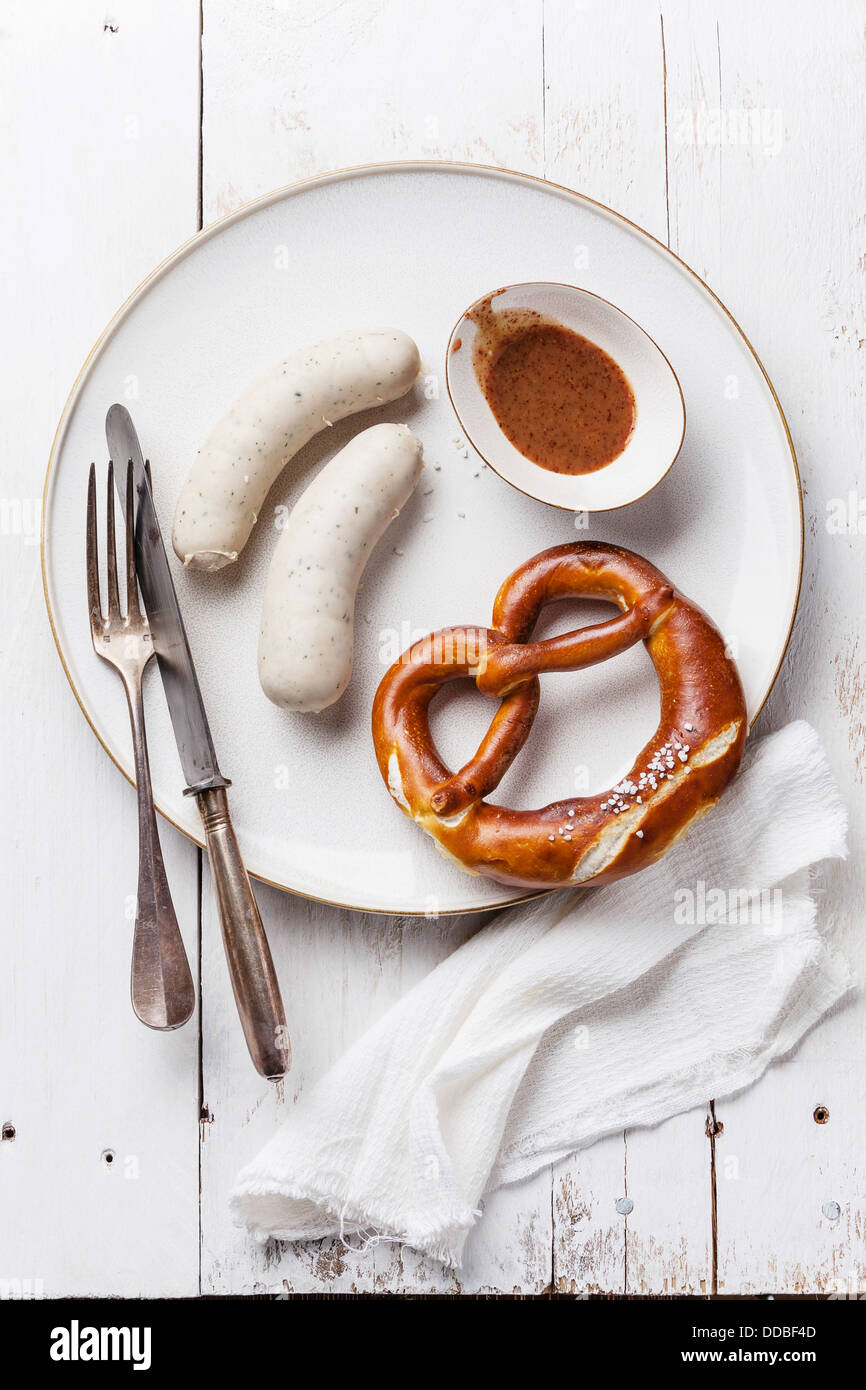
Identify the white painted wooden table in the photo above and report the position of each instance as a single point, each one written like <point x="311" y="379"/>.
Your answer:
<point x="735" y="133"/>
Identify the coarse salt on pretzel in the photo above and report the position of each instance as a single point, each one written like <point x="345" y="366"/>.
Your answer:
<point x="676" y="778"/>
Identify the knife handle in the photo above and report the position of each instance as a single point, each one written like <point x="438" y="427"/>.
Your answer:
<point x="254" y="980"/>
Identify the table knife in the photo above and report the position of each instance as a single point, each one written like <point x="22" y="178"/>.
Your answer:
<point x="251" y="968"/>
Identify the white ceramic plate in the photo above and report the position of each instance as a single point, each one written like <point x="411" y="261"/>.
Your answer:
<point x="412" y="245"/>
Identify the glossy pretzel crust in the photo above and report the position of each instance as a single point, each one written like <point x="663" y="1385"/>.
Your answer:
<point x="676" y="778"/>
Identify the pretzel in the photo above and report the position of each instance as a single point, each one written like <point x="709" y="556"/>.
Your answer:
<point x="676" y="778"/>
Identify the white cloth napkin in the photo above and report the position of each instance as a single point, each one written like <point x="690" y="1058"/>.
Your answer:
<point x="571" y="1017"/>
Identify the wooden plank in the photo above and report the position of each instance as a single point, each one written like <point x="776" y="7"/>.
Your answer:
<point x="292" y="89"/>
<point x="289" y="91"/>
<point x="790" y="1188"/>
<point x="605" y="136"/>
<point x="604" y="106"/>
<point x="767" y="196"/>
<point x="99" y="1186"/>
<point x="589" y="1233"/>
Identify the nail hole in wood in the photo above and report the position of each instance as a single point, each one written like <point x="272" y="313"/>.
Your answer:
<point x="108" y="1156"/>
<point x="820" y="1114"/>
<point x="8" y="1131"/>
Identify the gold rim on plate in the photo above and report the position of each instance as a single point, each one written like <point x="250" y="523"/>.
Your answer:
<point x="266" y="200"/>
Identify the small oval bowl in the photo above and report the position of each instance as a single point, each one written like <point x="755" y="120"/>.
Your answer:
<point x="660" y="417"/>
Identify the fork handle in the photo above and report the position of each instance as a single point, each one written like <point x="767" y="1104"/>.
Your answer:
<point x="163" y="994"/>
<point x="254" y="980"/>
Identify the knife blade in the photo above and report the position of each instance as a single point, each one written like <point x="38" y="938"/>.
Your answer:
<point x="254" y="980"/>
<point x="183" y="695"/>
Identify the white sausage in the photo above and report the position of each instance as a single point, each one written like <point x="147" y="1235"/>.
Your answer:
<point x="269" y="422"/>
<point x="308" y="617"/>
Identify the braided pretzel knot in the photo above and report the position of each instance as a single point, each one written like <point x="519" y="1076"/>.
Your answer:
<point x="676" y="778"/>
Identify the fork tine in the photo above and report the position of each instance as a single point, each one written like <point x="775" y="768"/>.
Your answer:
<point x="111" y="552"/>
<point x="132" y="608"/>
<point x="93" y="601"/>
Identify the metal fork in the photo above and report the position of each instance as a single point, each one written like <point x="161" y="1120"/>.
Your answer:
<point x="162" y="990"/>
